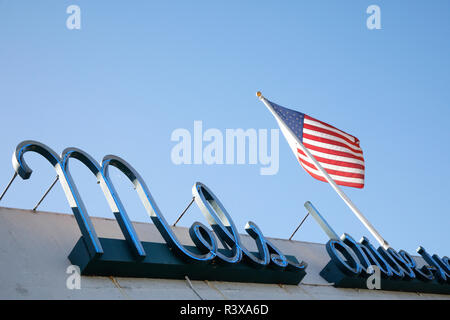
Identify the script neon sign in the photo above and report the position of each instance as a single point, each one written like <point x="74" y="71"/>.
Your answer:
<point x="206" y="248"/>
<point x="352" y="264"/>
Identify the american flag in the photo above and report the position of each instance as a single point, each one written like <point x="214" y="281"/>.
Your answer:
<point x="336" y="151"/>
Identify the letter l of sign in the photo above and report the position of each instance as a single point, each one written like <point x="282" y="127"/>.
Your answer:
<point x="110" y="194"/>
<point x="154" y="212"/>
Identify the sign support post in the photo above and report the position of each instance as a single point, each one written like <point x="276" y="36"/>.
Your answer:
<point x="7" y="187"/>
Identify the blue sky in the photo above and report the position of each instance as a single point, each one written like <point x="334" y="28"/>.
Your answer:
<point x="136" y="72"/>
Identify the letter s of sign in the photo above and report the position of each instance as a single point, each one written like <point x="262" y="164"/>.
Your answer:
<point x="222" y="224"/>
<point x="425" y="273"/>
<point x="441" y="266"/>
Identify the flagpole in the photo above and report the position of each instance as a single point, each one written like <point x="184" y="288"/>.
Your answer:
<point x="325" y="174"/>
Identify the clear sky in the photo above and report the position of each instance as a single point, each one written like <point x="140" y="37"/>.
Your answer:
<point x="136" y="71"/>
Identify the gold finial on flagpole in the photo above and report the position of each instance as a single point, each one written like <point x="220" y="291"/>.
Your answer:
<point x="259" y="94"/>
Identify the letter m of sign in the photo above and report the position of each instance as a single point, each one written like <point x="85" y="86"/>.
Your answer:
<point x="61" y="165"/>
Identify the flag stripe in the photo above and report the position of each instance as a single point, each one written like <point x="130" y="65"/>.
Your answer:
<point x="331" y="147"/>
<point x="330" y="142"/>
<point x="349" y="182"/>
<point x="333" y="172"/>
<point x="333" y="137"/>
<point x="344" y="166"/>
<point x="347" y="155"/>
<point x="345" y="161"/>
<point x="338" y="172"/>
<point x="318" y="123"/>
<point x="331" y="133"/>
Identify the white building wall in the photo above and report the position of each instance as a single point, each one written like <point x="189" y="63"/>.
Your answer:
<point x="33" y="261"/>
